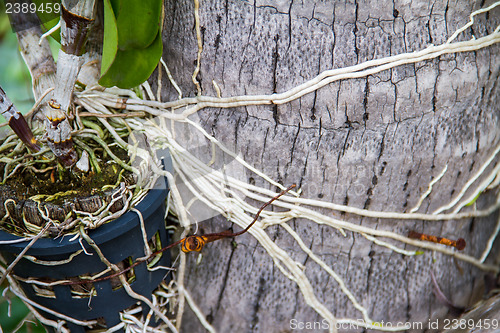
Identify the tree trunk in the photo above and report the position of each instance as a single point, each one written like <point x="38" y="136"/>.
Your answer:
<point x="373" y="142"/>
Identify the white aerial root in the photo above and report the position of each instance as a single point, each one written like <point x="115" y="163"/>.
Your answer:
<point x="471" y="21"/>
<point x="200" y="45"/>
<point x="222" y="193"/>
<point x="147" y="250"/>
<point x="429" y="189"/>
<point x="23" y="252"/>
<point x="16" y="290"/>
<point x="489" y="244"/>
<point x="471" y="181"/>
<point x="323" y="79"/>
<point x="125" y="283"/>
<point x="171" y="78"/>
<point x="214" y="189"/>
<point x="49" y="32"/>
<point x="197" y="312"/>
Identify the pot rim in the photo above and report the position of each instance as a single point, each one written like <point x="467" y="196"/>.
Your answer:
<point x="106" y="232"/>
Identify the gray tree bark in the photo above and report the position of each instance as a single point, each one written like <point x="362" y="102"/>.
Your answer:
<point x="374" y="143"/>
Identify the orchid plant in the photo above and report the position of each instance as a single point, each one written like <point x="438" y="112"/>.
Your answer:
<point x="122" y="36"/>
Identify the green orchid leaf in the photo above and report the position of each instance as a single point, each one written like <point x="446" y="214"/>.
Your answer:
<point x="110" y="44"/>
<point x="115" y="4"/>
<point x="138" y="23"/>
<point x="131" y="68"/>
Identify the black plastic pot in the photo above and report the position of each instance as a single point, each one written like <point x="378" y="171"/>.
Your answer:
<point x="120" y="241"/>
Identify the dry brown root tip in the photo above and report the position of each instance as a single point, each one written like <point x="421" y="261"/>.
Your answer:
<point x="22" y="130"/>
<point x="197" y="242"/>
<point x="458" y="244"/>
<point x="193" y="243"/>
<point x="53" y="176"/>
<point x="189" y="244"/>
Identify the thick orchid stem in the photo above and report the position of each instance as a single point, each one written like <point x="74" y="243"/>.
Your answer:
<point x="76" y="21"/>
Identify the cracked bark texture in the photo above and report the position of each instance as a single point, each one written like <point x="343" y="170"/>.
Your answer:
<point x="374" y="143"/>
